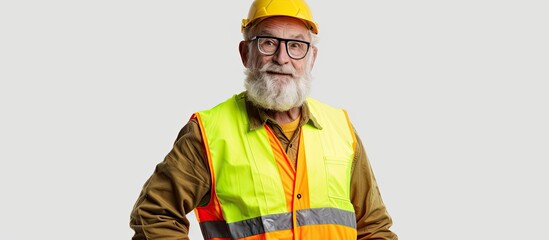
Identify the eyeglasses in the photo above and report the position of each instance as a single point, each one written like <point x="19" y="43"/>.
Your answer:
<point x="267" y="45"/>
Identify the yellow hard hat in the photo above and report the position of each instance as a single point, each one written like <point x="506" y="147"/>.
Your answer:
<point x="291" y="8"/>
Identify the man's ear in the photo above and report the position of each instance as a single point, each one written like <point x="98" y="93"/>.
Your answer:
<point x="315" y="51"/>
<point x="243" y="49"/>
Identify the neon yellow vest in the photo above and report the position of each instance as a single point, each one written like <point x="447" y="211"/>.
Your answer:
<point x="248" y="186"/>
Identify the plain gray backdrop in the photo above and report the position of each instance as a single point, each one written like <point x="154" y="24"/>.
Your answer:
<point x="449" y="97"/>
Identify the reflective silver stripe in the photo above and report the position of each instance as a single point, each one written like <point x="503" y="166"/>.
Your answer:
<point x="214" y="229"/>
<point x="277" y="222"/>
<point x="326" y="216"/>
<point x="260" y="225"/>
<point x="246" y="228"/>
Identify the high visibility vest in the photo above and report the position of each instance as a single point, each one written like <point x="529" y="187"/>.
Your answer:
<point x="256" y="193"/>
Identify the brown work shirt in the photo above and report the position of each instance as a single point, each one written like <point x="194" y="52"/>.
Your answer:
<point x="182" y="182"/>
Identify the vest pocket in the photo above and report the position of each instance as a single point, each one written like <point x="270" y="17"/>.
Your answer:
<point x="338" y="172"/>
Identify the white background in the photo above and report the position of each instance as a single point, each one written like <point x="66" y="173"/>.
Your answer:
<point x="449" y="97"/>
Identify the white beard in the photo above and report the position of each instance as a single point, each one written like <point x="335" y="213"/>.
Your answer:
<point x="271" y="93"/>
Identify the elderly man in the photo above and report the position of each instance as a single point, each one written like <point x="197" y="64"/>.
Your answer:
<point x="270" y="162"/>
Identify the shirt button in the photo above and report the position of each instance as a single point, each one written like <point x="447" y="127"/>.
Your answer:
<point x="298" y="196"/>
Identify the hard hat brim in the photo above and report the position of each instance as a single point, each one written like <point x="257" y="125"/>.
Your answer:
<point x="308" y="24"/>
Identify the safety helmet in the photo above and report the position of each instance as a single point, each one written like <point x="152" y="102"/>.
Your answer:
<point x="291" y="8"/>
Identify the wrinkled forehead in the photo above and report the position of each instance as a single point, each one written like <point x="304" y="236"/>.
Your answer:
<point x="281" y="26"/>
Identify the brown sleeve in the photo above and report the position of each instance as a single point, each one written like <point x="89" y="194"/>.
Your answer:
<point x="373" y="220"/>
<point x="176" y="187"/>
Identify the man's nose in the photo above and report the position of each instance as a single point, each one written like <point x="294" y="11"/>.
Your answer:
<point x="281" y="56"/>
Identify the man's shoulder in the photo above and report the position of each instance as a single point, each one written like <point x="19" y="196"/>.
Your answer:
<point x="313" y="102"/>
<point x="232" y="100"/>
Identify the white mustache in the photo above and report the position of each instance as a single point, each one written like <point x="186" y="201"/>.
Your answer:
<point x="285" y="69"/>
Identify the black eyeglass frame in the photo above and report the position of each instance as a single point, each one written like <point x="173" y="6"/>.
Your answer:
<point x="280" y="40"/>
